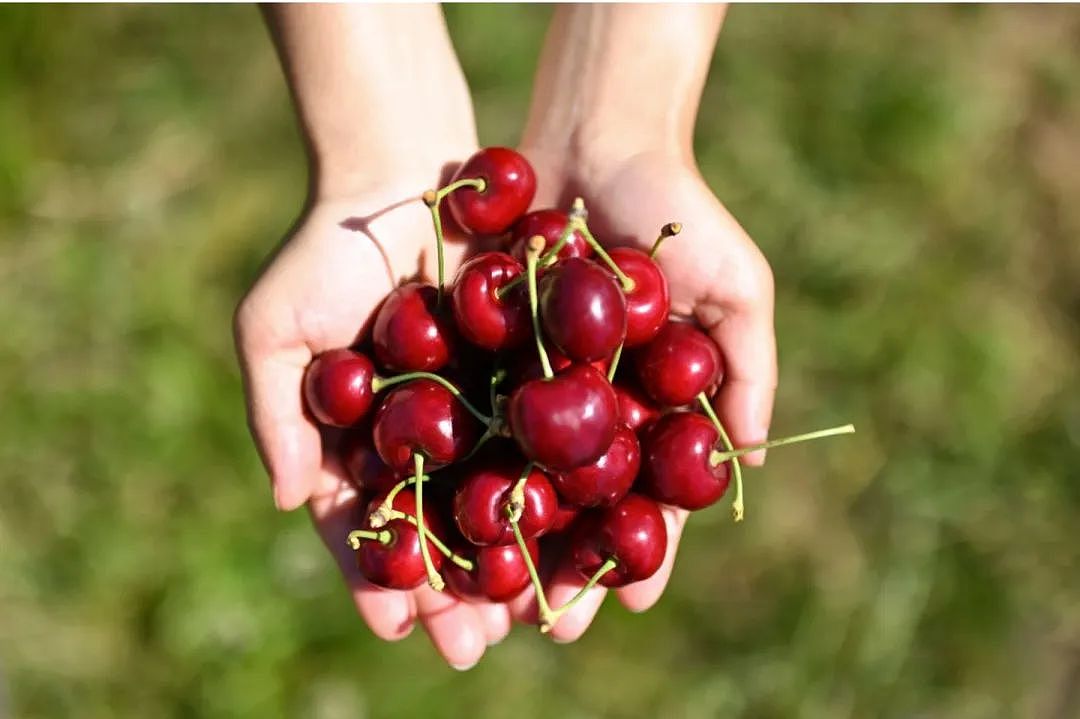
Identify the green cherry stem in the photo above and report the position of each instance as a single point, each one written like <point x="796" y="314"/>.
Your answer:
<point x="363" y="535"/>
<point x="378" y="384"/>
<point x="541" y="599"/>
<point x="434" y="579"/>
<point x="716" y="457"/>
<point x="439" y="544"/>
<point x="433" y="198"/>
<point x="736" y="466"/>
<point x="536" y="243"/>
<point x="385" y="511"/>
<point x="555" y="614"/>
<point x="627" y="283"/>
<point x="614" y="363"/>
<point x="547" y="259"/>
<point x="669" y="230"/>
<point x="516" y="505"/>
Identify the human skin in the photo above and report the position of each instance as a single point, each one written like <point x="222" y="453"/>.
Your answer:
<point x="367" y="82"/>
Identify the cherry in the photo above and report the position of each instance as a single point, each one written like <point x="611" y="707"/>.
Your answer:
<point x="410" y="332"/>
<point x="549" y="224"/>
<point x="483" y="317"/>
<point x="525" y="365"/>
<point x="509" y="184"/>
<point x="337" y="387"/>
<point x="565" y="514"/>
<point x="632" y="533"/>
<point x="647" y="301"/>
<point x="675" y="466"/>
<point x="608" y="479"/>
<point x="583" y="309"/>
<point x="363" y="465"/>
<point x="397" y="562"/>
<point x="426" y="418"/>
<point x="487" y="491"/>
<point x="678" y="364"/>
<point x="566" y="421"/>
<point x="636" y="409"/>
<point x="499" y="572"/>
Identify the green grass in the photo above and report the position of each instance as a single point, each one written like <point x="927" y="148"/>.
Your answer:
<point x="912" y="173"/>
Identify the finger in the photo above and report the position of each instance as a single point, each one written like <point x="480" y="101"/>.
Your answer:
<point x="455" y="627"/>
<point x="566" y="583"/>
<point x="641" y="596"/>
<point x="496" y="621"/>
<point x="273" y="365"/>
<point x="335" y="512"/>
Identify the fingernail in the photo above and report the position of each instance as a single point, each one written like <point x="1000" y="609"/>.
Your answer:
<point x="278" y="499"/>
<point x="563" y="640"/>
<point x="464" y="667"/>
<point x="497" y="641"/>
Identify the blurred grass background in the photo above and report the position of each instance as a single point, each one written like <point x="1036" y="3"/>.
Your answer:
<point x="912" y="173"/>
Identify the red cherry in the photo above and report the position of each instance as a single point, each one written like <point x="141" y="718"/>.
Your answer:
<point x="525" y="365"/>
<point x="398" y="564"/>
<point x="647" y="303"/>
<point x="510" y="186"/>
<point x="484" y="318"/>
<point x="422" y="416"/>
<point x="636" y="409"/>
<point x="499" y="573"/>
<point x="565" y="514"/>
<point x="632" y="533"/>
<point x="410" y="332"/>
<point x="678" y="364"/>
<point x="566" y="421"/>
<point x="337" y="387"/>
<point x="675" y="466"/>
<point x="583" y="309"/>
<point x="363" y="465"/>
<point x="608" y="479"/>
<point x="485" y="492"/>
<point x="549" y="224"/>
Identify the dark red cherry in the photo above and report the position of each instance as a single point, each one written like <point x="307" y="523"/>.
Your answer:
<point x="363" y="465"/>
<point x="549" y="224"/>
<point x="565" y="514"/>
<point x="483" y="496"/>
<point x="675" y="466"/>
<point x="337" y="387"/>
<point x="636" y="409"/>
<point x="399" y="563"/>
<point x="411" y="333"/>
<point x="525" y="365"/>
<point x="422" y="416"/>
<point x="608" y="479"/>
<point x="564" y="422"/>
<point x="510" y="186"/>
<point x="582" y="309"/>
<point x="499" y="573"/>
<point x="632" y="533"/>
<point x="678" y="364"/>
<point x="647" y="303"/>
<point x="484" y="318"/>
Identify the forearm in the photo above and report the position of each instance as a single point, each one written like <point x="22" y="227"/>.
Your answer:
<point x="375" y="86"/>
<point x="628" y="75"/>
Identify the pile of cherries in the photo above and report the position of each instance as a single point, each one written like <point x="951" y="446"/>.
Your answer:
<point x="544" y="402"/>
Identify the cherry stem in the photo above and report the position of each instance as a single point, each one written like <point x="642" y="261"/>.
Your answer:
<point x="378" y="384"/>
<point x="556" y="614"/>
<point x="716" y="457"/>
<point x="363" y="535"/>
<point x="614" y="363"/>
<point x="433" y="577"/>
<point x="579" y="224"/>
<point x="669" y="230"/>
<point x="536" y="243"/>
<point x="544" y="609"/>
<point x="496" y="378"/>
<point x="433" y="198"/>
<point x="385" y="511"/>
<point x="516" y="505"/>
<point x="547" y="259"/>
<point x="465" y="564"/>
<point x="736" y="468"/>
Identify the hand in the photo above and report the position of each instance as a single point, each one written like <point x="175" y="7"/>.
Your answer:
<point x="318" y="293"/>
<point x="716" y="275"/>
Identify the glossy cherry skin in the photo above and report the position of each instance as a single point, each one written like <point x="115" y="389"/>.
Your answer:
<point x="549" y="224"/>
<point x="363" y="465"/>
<point x="678" y="364"/>
<point x="525" y="365"/>
<point x="482" y="498"/>
<point x="410" y="333"/>
<point x="636" y="409"/>
<point x="422" y="416"/>
<point x="582" y="309"/>
<point x="499" y="573"/>
<point x="337" y="387"/>
<point x="399" y="564"/>
<point x="632" y="532"/>
<point x="511" y="184"/>
<point x="648" y="302"/>
<point x="565" y="514"/>
<point x="607" y="480"/>
<point x="675" y="465"/>
<point x="484" y="318"/>
<point x="564" y="422"/>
